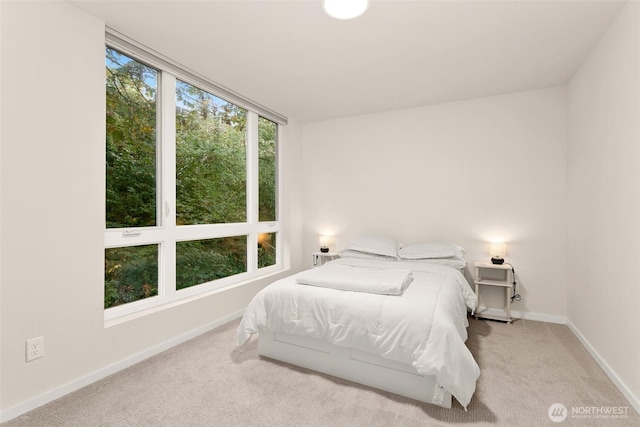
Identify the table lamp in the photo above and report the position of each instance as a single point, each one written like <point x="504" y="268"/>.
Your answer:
<point x="497" y="251"/>
<point x="325" y="242"/>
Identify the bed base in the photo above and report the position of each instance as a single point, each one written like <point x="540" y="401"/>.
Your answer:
<point x="354" y="365"/>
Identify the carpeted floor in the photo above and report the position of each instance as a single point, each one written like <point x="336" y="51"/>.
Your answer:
<point x="526" y="367"/>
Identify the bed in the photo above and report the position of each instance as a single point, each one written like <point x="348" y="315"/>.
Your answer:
<point x="409" y="341"/>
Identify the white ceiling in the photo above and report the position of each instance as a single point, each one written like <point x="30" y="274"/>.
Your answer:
<point x="292" y="58"/>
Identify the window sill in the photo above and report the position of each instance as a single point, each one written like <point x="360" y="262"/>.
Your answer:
<point x="111" y="319"/>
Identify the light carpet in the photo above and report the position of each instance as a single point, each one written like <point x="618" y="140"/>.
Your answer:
<point x="526" y="367"/>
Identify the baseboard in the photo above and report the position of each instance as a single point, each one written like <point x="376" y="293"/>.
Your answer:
<point x="538" y="317"/>
<point x="72" y="386"/>
<point x="633" y="400"/>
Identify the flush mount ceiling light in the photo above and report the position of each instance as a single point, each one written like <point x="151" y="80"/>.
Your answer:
<point x="345" y="9"/>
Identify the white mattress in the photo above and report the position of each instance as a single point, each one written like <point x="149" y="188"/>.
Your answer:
<point x="425" y="327"/>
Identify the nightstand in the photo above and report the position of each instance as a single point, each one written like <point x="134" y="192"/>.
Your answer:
<point x="501" y="275"/>
<point x="319" y="258"/>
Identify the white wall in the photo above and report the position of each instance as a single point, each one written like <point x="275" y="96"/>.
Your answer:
<point x="468" y="172"/>
<point x="52" y="198"/>
<point x="604" y="201"/>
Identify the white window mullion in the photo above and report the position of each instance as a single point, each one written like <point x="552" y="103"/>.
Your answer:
<point x="279" y="197"/>
<point x="167" y="279"/>
<point x="252" y="190"/>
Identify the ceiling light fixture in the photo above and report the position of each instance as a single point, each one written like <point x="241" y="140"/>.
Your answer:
<point x="345" y="9"/>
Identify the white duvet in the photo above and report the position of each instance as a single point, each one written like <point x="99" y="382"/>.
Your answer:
<point x="424" y="327"/>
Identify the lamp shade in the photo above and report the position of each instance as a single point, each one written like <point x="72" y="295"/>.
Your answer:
<point x="497" y="249"/>
<point x="325" y="241"/>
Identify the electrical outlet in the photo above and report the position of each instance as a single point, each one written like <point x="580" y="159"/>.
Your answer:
<point x="35" y="348"/>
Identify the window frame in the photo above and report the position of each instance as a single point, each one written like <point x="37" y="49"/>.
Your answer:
<point x="166" y="233"/>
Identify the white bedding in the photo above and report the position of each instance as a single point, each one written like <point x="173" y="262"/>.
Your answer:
<point x="425" y="327"/>
<point x="384" y="281"/>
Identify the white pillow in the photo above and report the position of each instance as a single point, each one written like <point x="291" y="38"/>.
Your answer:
<point x="365" y="255"/>
<point x="377" y="245"/>
<point x="429" y="250"/>
<point x="455" y="262"/>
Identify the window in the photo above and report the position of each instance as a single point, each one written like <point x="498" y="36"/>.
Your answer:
<point x="266" y="249"/>
<point x="201" y="261"/>
<point x="131" y="274"/>
<point x="131" y="142"/>
<point x="191" y="185"/>
<point x="267" y="135"/>
<point x="211" y="158"/>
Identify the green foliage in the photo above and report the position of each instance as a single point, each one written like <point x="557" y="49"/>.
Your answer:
<point x="131" y="143"/>
<point x="131" y="273"/>
<point x="266" y="249"/>
<point x="267" y="134"/>
<point x="202" y="261"/>
<point x="210" y="159"/>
